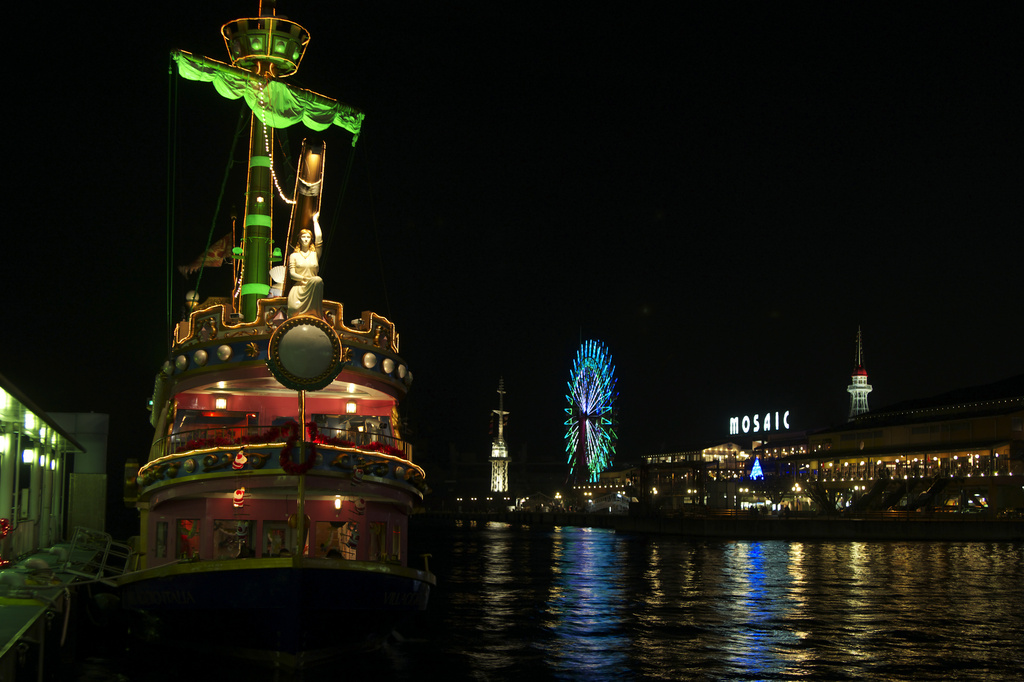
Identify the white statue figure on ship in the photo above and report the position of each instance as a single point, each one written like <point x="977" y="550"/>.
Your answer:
<point x="307" y="292"/>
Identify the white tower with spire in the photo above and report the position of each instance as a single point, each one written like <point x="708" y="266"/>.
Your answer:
<point x="859" y="388"/>
<point x="499" y="451"/>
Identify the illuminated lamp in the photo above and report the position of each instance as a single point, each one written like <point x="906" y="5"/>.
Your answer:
<point x="350" y="408"/>
<point x="53" y="464"/>
<point x="337" y="504"/>
<point x="221" y="403"/>
<point x="27" y="456"/>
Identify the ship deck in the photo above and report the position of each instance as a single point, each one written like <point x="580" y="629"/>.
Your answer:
<point x="28" y="631"/>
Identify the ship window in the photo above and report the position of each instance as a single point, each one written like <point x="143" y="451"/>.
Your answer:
<point x="160" y="548"/>
<point x="232" y="538"/>
<point x="205" y="428"/>
<point x="378" y="542"/>
<point x="337" y="539"/>
<point x="188" y="539"/>
<point x="278" y="540"/>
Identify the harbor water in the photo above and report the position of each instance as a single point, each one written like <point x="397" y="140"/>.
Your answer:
<point x="572" y="603"/>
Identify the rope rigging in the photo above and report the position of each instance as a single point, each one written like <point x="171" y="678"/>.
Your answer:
<point x="172" y="143"/>
<point x="220" y="195"/>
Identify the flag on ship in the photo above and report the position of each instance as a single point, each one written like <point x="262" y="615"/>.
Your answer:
<point x="212" y="258"/>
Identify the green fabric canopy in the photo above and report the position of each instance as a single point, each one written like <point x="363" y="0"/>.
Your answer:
<point x="282" y="106"/>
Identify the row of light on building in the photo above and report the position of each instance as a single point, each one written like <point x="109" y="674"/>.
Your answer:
<point x="934" y="410"/>
<point x="28" y="455"/>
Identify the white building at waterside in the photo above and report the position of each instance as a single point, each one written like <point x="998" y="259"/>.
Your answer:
<point x="35" y="459"/>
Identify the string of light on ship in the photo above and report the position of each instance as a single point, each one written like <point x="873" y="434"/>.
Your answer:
<point x="266" y="146"/>
<point x="217" y="450"/>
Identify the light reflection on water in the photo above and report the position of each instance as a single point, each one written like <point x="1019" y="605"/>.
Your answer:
<point x="585" y="604"/>
<point x="586" y="608"/>
<point x="576" y="603"/>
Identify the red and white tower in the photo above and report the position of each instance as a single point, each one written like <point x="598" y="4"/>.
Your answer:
<point x="860" y="387"/>
<point x="499" y="451"/>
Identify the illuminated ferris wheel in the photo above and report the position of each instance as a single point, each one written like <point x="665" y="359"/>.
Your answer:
<point x="590" y="426"/>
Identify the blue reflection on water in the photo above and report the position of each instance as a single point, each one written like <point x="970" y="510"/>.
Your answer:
<point x="528" y="605"/>
<point x="751" y="652"/>
<point x="586" y="607"/>
<point x="584" y="604"/>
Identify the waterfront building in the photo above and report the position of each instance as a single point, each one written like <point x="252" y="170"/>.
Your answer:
<point x="35" y="458"/>
<point x="613" y="491"/>
<point x="961" y="450"/>
<point x="706" y="476"/>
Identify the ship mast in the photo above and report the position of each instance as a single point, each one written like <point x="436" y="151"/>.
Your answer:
<point x="269" y="48"/>
<point x="264" y="50"/>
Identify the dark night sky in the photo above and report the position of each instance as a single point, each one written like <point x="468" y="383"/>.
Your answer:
<point x="722" y="194"/>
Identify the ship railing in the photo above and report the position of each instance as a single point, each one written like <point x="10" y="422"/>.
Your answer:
<point x="238" y="436"/>
<point x="96" y="556"/>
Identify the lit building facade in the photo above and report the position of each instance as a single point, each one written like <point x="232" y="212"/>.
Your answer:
<point x="35" y="457"/>
<point x="958" y="452"/>
<point x="696" y="479"/>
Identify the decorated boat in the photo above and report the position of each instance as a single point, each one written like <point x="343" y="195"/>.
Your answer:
<point x="278" y="487"/>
